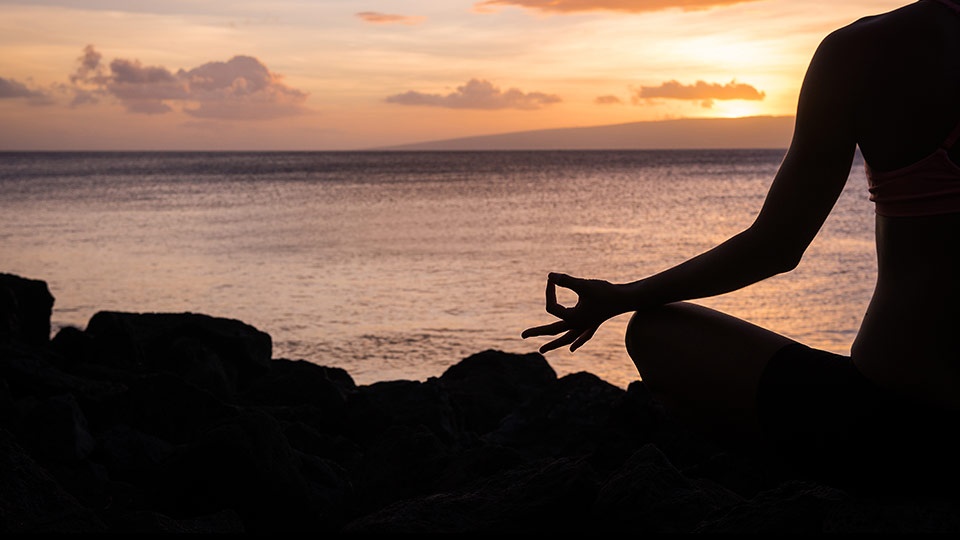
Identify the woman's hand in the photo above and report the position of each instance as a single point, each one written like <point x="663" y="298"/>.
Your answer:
<point x="597" y="301"/>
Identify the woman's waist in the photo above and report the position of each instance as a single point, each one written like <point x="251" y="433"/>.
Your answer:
<point x="907" y="312"/>
<point x="920" y="236"/>
<point x="910" y="346"/>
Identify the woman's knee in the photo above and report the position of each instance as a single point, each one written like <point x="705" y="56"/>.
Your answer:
<point x="690" y="345"/>
<point x="654" y="337"/>
<point x="654" y="330"/>
<point x="704" y="365"/>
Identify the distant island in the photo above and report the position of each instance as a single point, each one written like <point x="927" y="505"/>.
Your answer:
<point x="686" y="133"/>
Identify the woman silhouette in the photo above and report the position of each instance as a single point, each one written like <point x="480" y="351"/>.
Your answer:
<point x="889" y="84"/>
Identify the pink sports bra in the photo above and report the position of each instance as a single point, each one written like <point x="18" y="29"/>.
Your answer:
<point x="927" y="187"/>
<point x="923" y="188"/>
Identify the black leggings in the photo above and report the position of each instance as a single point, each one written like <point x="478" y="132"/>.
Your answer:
<point x="826" y="419"/>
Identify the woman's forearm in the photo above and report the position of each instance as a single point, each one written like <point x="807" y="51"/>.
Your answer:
<point x="742" y="260"/>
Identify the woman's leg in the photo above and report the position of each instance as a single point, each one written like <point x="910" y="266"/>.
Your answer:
<point x="704" y="366"/>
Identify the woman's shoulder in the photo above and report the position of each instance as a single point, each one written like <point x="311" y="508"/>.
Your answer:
<point x="903" y="23"/>
<point x="873" y="41"/>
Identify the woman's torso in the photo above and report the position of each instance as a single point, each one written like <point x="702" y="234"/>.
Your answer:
<point x="911" y="103"/>
<point x="909" y="340"/>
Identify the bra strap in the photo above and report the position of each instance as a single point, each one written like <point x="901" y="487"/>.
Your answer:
<point x="952" y="5"/>
<point x="952" y="138"/>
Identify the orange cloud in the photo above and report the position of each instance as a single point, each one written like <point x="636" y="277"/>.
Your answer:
<point x="630" y="6"/>
<point x="89" y="70"/>
<point x="607" y="100"/>
<point x="143" y="89"/>
<point x="10" y="88"/>
<point x="700" y="91"/>
<point x="387" y="18"/>
<point x="241" y="88"/>
<point x="477" y="94"/>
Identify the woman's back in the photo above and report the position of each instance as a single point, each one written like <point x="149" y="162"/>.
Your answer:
<point x="910" y="82"/>
<point x="909" y="109"/>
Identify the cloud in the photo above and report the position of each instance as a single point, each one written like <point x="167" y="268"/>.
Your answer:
<point x="241" y="88"/>
<point x="386" y="18"/>
<point x="13" y="89"/>
<point x="629" y="6"/>
<point x="700" y="91"/>
<point x="607" y="100"/>
<point x="89" y="79"/>
<point x="477" y="94"/>
<point x="89" y="70"/>
<point x="143" y="89"/>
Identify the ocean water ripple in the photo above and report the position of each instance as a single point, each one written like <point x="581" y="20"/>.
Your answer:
<point x="398" y="264"/>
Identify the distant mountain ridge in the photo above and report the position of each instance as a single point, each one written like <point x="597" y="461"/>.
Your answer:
<point x="685" y="133"/>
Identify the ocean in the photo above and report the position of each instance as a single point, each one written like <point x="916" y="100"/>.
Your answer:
<point x="397" y="265"/>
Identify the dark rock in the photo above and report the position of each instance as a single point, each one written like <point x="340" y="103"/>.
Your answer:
<point x="8" y="410"/>
<point x="744" y="474"/>
<point x="567" y="418"/>
<point x="183" y="423"/>
<point x="331" y="495"/>
<point x="294" y="383"/>
<point x="649" y="495"/>
<point x="87" y="481"/>
<point x="166" y="407"/>
<point x="379" y="406"/>
<point x="246" y="465"/>
<point x="477" y="464"/>
<point x="331" y="446"/>
<point x="487" y="386"/>
<point x="73" y="347"/>
<point x="900" y="515"/>
<point x="201" y="366"/>
<point x="794" y="507"/>
<point x="32" y="372"/>
<point x="404" y="462"/>
<point x="634" y="419"/>
<point x="31" y="501"/>
<point x="55" y="428"/>
<point x="131" y="455"/>
<point x="25" y="309"/>
<point x="548" y="497"/>
<point x="214" y="350"/>
<point x="146" y="522"/>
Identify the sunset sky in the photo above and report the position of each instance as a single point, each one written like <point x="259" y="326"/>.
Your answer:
<point x="357" y="74"/>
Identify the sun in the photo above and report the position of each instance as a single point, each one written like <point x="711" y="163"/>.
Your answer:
<point x="735" y="109"/>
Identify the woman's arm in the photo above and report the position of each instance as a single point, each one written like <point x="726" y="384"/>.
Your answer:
<point x="802" y="194"/>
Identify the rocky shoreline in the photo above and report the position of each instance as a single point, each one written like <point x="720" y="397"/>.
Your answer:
<point x="184" y="422"/>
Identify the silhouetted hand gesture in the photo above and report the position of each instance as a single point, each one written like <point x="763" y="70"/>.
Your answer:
<point x="597" y="301"/>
